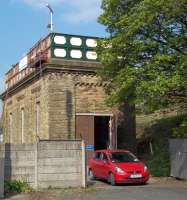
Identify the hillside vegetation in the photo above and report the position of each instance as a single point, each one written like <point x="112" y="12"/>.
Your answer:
<point x="158" y="133"/>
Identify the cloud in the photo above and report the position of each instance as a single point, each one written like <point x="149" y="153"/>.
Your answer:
<point x="82" y="11"/>
<point x="2" y="84"/>
<point x="39" y="3"/>
<point x="77" y="11"/>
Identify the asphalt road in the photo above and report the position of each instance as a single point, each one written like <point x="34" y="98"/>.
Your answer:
<point x="153" y="191"/>
<point x="164" y="190"/>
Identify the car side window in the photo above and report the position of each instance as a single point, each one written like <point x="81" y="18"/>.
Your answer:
<point x="97" y="156"/>
<point x="103" y="156"/>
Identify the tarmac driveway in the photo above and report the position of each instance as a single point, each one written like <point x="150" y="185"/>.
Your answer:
<point x="157" y="189"/>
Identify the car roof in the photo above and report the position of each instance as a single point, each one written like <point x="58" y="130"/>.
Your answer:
<point x="111" y="150"/>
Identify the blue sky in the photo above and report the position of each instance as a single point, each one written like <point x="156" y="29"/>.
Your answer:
<point x="23" y="23"/>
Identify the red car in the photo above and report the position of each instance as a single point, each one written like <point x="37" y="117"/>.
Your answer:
<point x="117" y="166"/>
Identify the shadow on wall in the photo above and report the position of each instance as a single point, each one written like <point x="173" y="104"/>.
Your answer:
<point x="69" y="111"/>
<point x="8" y="162"/>
<point x="1" y="123"/>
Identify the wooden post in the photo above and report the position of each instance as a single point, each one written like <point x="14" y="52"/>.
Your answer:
<point x="151" y="148"/>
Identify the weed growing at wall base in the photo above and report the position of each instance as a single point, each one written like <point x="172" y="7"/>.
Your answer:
<point x="15" y="186"/>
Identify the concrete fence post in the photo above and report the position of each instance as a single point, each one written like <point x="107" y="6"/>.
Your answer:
<point x="1" y="177"/>
<point x="36" y="166"/>
<point x="84" y="171"/>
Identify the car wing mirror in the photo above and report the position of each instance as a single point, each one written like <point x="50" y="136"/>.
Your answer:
<point x="105" y="161"/>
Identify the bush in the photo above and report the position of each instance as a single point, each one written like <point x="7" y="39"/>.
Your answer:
<point x="181" y="131"/>
<point x="159" y="165"/>
<point x="160" y="131"/>
<point x="17" y="187"/>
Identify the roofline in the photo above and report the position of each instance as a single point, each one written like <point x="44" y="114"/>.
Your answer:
<point x="49" y="67"/>
<point x="66" y="34"/>
<point x="43" y="38"/>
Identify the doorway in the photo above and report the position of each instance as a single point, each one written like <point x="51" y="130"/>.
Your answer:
<point x="101" y="132"/>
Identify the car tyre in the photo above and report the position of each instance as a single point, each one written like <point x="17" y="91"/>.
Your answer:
<point x="111" y="179"/>
<point x="91" y="175"/>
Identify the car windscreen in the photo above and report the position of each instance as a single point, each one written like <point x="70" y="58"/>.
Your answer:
<point x="119" y="157"/>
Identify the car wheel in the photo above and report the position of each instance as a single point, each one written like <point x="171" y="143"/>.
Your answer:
<point x="111" y="179"/>
<point x="91" y="175"/>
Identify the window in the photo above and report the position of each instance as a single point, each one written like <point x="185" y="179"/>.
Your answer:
<point x="22" y="125"/>
<point x="10" y="128"/>
<point x="1" y="137"/>
<point x="37" y="118"/>
<point x="97" y="156"/>
<point x="103" y="156"/>
<point x="100" y="156"/>
<point x="118" y="157"/>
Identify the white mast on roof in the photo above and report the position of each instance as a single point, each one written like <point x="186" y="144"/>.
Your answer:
<point x="50" y="26"/>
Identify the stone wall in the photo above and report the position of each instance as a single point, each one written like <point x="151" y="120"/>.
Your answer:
<point x="47" y="163"/>
<point x="58" y="95"/>
<point x="61" y="107"/>
<point x="90" y="95"/>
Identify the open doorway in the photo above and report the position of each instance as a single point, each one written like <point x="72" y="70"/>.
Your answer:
<point x="101" y="132"/>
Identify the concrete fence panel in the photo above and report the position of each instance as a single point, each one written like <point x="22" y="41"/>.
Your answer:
<point x="1" y="177"/>
<point x="20" y="162"/>
<point x="59" y="164"/>
<point x="47" y="163"/>
<point x="1" y="171"/>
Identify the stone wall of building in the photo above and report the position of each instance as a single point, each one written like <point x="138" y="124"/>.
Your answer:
<point x="90" y="95"/>
<point x="61" y="107"/>
<point x="50" y="103"/>
<point x="69" y="94"/>
<point x="24" y="102"/>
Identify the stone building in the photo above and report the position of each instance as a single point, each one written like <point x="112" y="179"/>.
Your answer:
<point x="53" y="93"/>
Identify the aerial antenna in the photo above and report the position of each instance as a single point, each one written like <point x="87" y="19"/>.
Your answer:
<point x="50" y="25"/>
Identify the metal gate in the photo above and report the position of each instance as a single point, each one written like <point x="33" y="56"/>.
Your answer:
<point x="178" y="157"/>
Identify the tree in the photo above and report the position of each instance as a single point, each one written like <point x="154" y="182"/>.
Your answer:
<point x="144" y="58"/>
